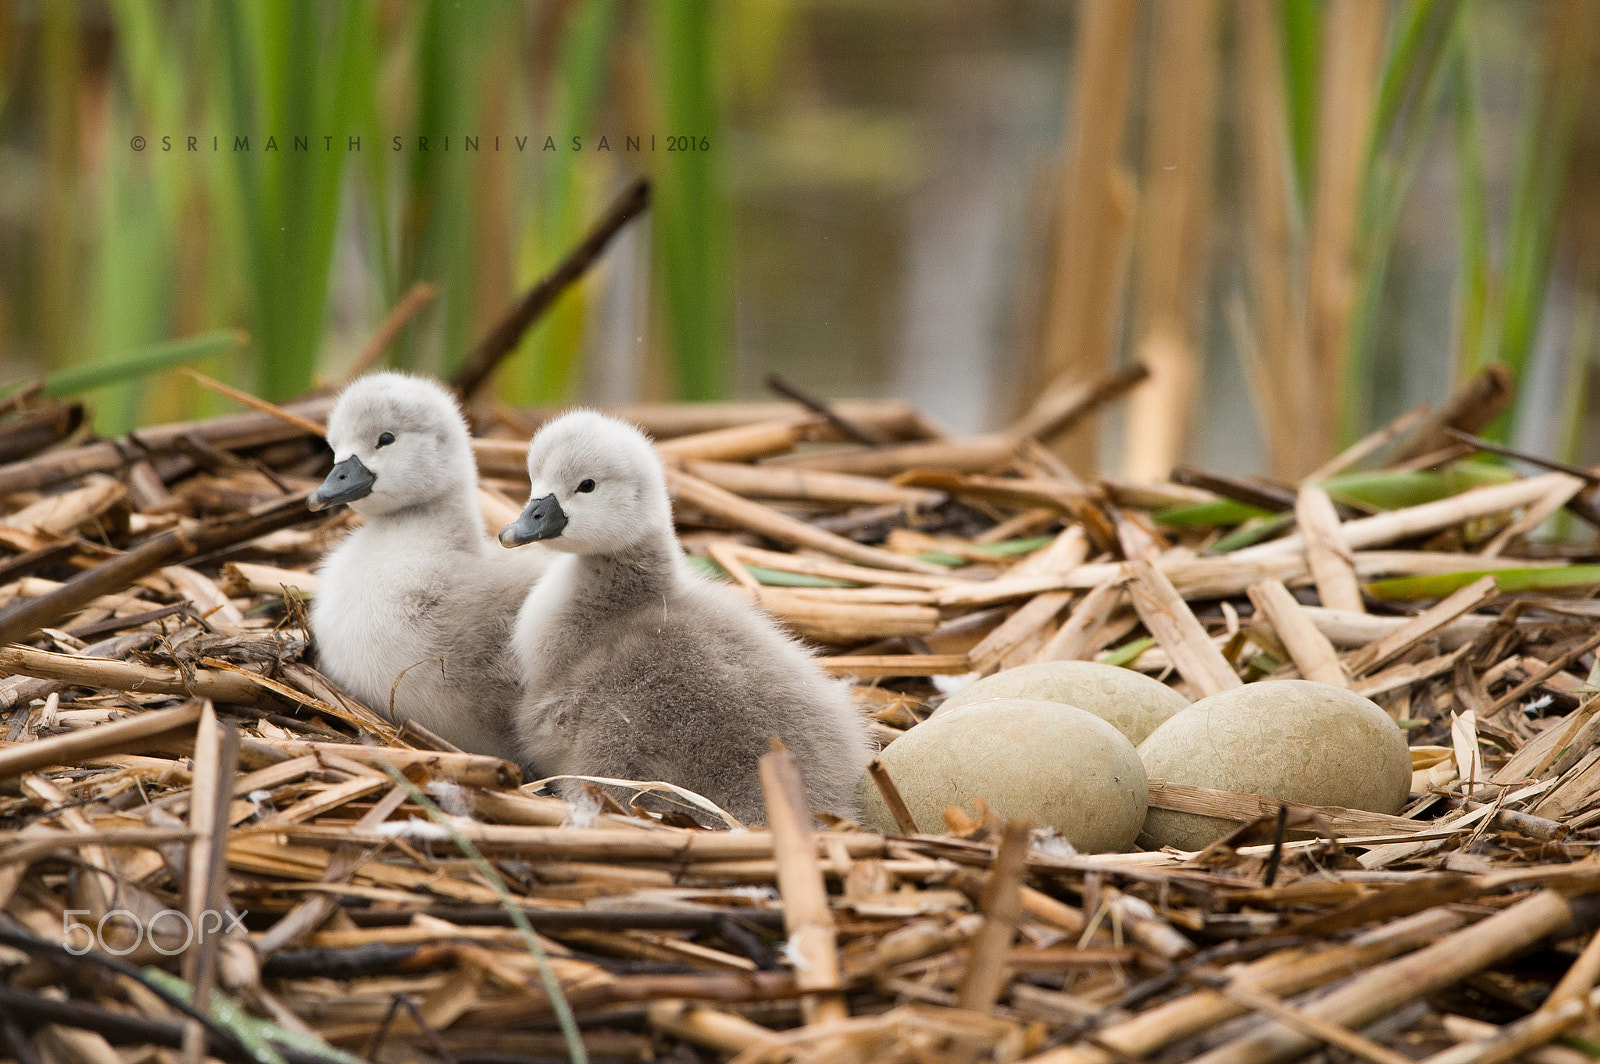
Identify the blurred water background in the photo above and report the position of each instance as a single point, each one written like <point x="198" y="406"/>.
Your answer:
<point x="1304" y="215"/>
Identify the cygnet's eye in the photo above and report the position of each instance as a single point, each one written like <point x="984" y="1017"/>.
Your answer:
<point x="586" y="485"/>
<point x="385" y="439"/>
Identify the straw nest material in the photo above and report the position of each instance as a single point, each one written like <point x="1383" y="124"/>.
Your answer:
<point x="168" y="744"/>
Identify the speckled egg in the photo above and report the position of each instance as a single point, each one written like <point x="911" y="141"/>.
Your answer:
<point x="1059" y="766"/>
<point x="1297" y="740"/>
<point x="1129" y="701"/>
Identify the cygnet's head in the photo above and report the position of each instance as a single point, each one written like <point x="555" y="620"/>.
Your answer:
<point x="598" y="488"/>
<point x="398" y="442"/>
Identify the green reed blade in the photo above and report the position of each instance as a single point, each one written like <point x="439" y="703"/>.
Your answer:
<point x="1508" y="581"/>
<point x="142" y="362"/>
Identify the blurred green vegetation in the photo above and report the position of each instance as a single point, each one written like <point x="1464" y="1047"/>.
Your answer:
<point x="1433" y="55"/>
<point x="873" y="185"/>
<point x="303" y="163"/>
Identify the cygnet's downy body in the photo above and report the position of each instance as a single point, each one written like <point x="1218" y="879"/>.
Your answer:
<point x="416" y="607"/>
<point x="637" y="668"/>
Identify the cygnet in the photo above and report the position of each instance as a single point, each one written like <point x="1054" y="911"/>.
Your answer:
<point x="416" y="607"/>
<point x="636" y="667"/>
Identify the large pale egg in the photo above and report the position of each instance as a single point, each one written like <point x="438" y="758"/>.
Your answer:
<point x="1129" y="701"/>
<point x="1061" y="767"/>
<point x="1297" y="740"/>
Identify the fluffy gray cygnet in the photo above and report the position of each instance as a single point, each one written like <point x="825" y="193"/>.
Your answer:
<point x="418" y="601"/>
<point x="636" y="667"/>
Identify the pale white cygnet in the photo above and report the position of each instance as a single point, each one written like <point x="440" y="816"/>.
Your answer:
<point x="638" y="668"/>
<point x="417" y="605"/>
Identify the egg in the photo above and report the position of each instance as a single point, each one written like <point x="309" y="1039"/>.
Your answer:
<point x="1297" y="740"/>
<point x="1059" y="766"/>
<point x="1129" y="701"/>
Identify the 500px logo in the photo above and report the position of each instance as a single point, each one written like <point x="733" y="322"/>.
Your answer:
<point x="167" y="928"/>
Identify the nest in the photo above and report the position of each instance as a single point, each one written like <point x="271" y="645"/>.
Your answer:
<point x="366" y="890"/>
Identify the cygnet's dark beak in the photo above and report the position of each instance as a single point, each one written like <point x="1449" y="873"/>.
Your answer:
<point x="541" y="519"/>
<point x="350" y="480"/>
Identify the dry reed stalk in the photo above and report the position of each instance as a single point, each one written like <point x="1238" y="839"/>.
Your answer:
<point x="250" y="578"/>
<point x="1280" y="384"/>
<point x="34" y="587"/>
<point x="1468" y="758"/>
<point x="216" y="752"/>
<point x="600" y="844"/>
<point x="844" y="623"/>
<point x="1328" y="556"/>
<point x="1352" y="49"/>
<point x="1579" y="979"/>
<point x="1092" y="212"/>
<point x="1171" y="241"/>
<point x="324" y="800"/>
<point x="1232" y="805"/>
<point x="720" y="552"/>
<point x="1321" y="1030"/>
<point x="509" y="458"/>
<point x="1025" y="523"/>
<point x="1014" y="631"/>
<point x="771" y="483"/>
<point x="1535" y="515"/>
<point x="978" y="454"/>
<point x="1001" y="905"/>
<point x="739" y="443"/>
<point x="21" y="619"/>
<point x="1424" y="519"/>
<point x="1574" y="789"/>
<point x="1371" y="564"/>
<point x="807" y="920"/>
<point x="1347" y="629"/>
<point x="896" y="805"/>
<point x="126" y="676"/>
<point x="101" y="887"/>
<point x="1169" y="618"/>
<point x="1372" y="443"/>
<point x="29" y="847"/>
<point x="922" y="939"/>
<point x="55" y="516"/>
<point x="1470" y="409"/>
<point x="1532" y="760"/>
<point x="1381" y="990"/>
<point x="725" y="1032"/>
<point x="104" y="738"/>
<point x="1077" y="634"/>
<point x="900" y="596"/>
<point x="478" y="770"/>
<point x="1196" y="578"/>
<point x="309" y="914"/>
<point x="885" y="666"/>
<point x="1003" y="491"/>
<point x="1286" y="973"/>
<point x="774" y="525"/>
<point x="110" y="456"/>
<point x="1452" y="607"/>
<point x="891" y="418"/>
<point x="1130" y="495"/>
<point x="1401" y="677"/>
<point x="813" y="566"/>
<point x="1060" y="409"/>
<point x="287" y="416"/>
<point x="1463" y="1029"/>
<point x="1311" y="651"/>
<point x="1062" y="555"/>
